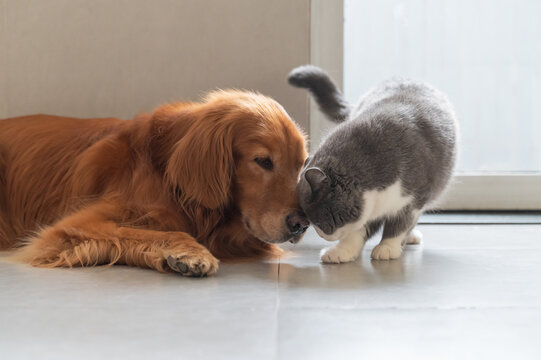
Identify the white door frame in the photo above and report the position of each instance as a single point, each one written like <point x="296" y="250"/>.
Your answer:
<point x="327" y="52"/>
<point x="467" y="191"/>
<point x="493" y="192"/>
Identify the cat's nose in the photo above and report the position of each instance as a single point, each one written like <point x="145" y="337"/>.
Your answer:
<point x="297" y="222"/>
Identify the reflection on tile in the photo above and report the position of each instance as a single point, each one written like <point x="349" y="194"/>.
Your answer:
<point x="409" y="334"/>
<point x="170" y="331"/>
<point x="468" y="292"/>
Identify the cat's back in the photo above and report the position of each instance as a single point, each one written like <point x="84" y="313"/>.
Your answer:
<point x="407" y="108"/>
<point x="411" y="125"/>
<point x="402" y="96"/>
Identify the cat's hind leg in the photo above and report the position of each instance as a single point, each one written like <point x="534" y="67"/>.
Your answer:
<point x="396" y="232"/>
<point x="414" y="237"/>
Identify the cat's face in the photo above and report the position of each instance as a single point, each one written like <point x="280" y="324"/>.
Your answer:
<point x="327" y="201"/>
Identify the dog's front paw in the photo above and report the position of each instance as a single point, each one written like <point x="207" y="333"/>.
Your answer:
<point x="338" y="254"/>
<point x="190" y="265"/>
<point x="386" y="252"/>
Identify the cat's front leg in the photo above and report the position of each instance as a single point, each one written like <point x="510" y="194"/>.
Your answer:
<point x="396" y="233"/>
<point x="346" y="250"/>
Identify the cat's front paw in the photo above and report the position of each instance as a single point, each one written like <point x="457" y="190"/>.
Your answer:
<point x="338" y="254"/>
<point x="386" y="252"/>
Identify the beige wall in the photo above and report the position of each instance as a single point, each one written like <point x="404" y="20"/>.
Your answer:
<point x="326" y="51"/>
<point x="91" y="58"/>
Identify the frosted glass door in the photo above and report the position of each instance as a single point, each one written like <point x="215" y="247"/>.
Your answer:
<point x="485" y="54"/>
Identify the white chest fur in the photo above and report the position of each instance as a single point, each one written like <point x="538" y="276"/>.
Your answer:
<point x="377" y="204"/>
<point x="386" y="202"/>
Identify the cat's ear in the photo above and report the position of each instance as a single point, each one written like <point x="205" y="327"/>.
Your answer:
<point x="318" y="181"/>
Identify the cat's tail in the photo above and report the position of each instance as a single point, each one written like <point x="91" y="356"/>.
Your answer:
<point x="330" y="100"/>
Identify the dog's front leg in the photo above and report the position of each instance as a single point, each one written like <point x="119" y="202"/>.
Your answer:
<point x="86" y="238"/>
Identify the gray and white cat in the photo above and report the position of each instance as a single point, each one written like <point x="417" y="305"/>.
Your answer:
<point x="391" y="156"/>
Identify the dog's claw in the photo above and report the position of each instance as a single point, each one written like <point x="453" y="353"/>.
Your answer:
<point x="177" y="265"/>
<point x="188" y="267"/>
<point x="182" y="267"/>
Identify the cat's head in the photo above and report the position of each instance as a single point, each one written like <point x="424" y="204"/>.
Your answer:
<point x="329" y="200"/>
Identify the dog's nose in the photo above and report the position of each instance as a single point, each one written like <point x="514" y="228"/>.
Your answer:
<point x="297" y="223"/>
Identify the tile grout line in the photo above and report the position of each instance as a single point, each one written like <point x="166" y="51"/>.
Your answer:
<point x="276" y="311"/>
<point x="421" y="308"/>
<point x="456" y="222"/>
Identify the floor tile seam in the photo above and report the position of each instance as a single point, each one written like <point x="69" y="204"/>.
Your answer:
<point x="480" y="223"/>
<point x="276" y="340"/>
<point x="462" y="249"/>
<point x="413" y="248"/>
<point x="422" y="308"/>
<point x="268" y="307"/>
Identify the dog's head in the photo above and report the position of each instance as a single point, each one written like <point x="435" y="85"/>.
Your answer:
<point x="243" y="152"/>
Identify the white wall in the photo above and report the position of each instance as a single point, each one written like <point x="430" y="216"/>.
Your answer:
<point x="91" y="58"/>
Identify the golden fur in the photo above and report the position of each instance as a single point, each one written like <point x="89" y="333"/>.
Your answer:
<point x="173" y="190"/>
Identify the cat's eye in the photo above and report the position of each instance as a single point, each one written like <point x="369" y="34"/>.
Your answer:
<point x="265" y="163"/>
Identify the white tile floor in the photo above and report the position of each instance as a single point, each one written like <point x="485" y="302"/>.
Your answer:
<point x="469" y="292"/>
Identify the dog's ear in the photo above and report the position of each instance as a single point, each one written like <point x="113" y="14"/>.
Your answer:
<point x="201" y="165"/>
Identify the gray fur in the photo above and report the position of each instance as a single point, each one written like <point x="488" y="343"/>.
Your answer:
<point x="329" y="98"/>
<point x="401" y="130"/>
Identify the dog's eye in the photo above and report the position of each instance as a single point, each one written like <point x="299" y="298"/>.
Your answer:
<point x="265" y="163"/>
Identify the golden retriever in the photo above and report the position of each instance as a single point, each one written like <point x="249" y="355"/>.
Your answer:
<point x="175" y="190"/>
